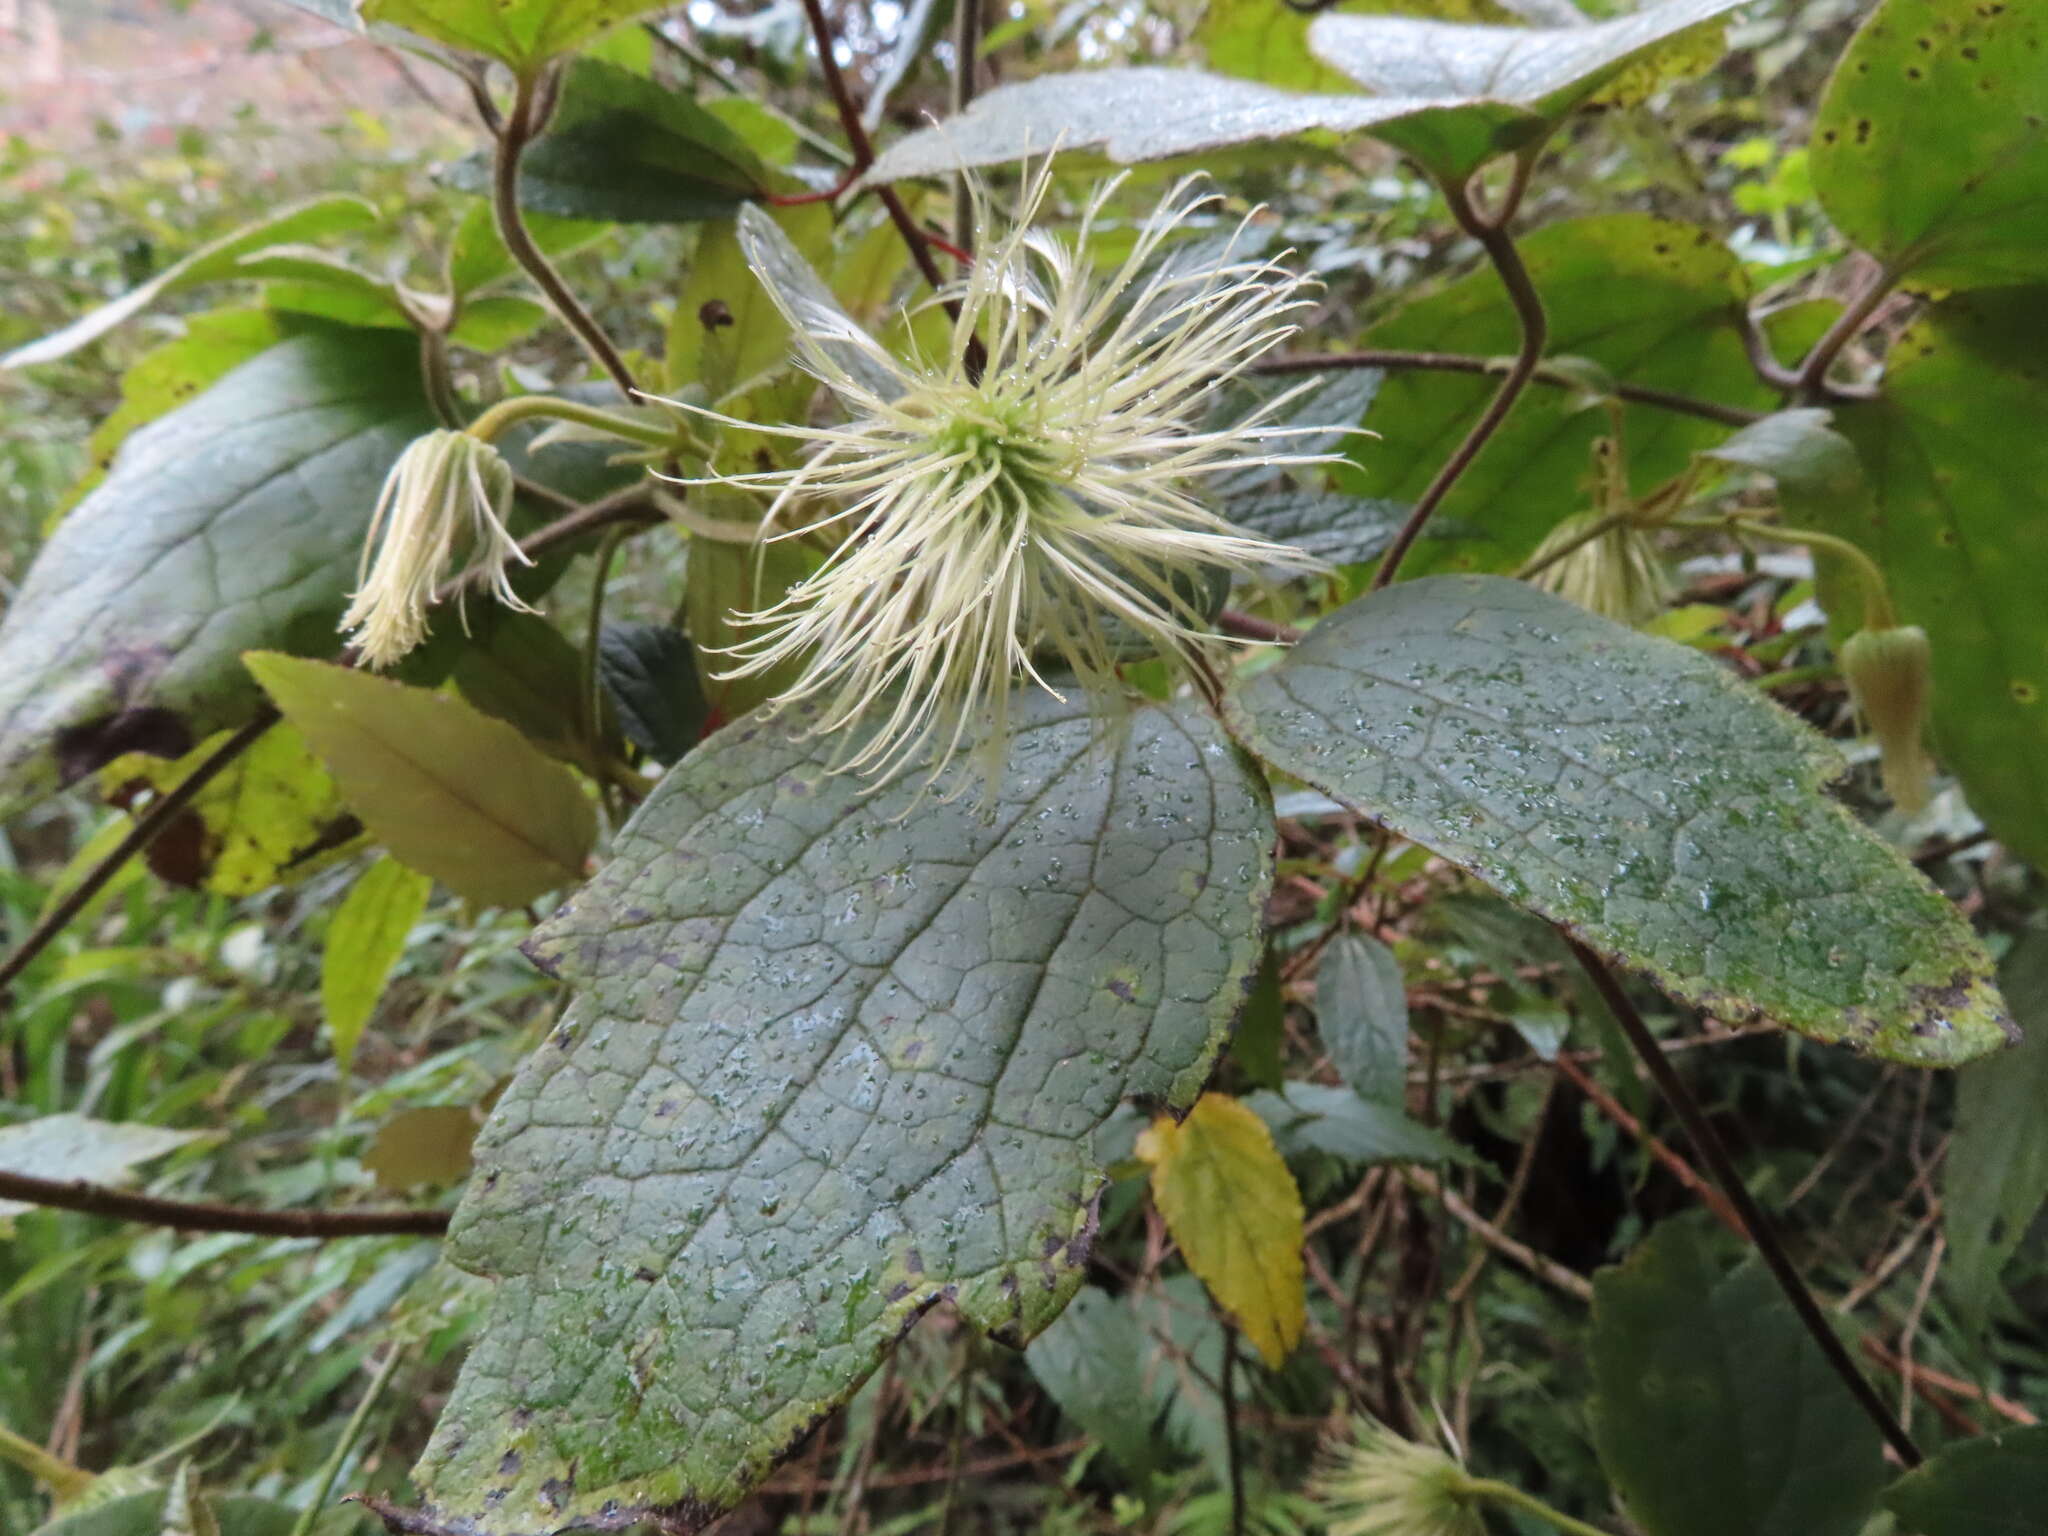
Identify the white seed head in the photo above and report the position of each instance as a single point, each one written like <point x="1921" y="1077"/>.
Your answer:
<point x="446" y="498"/>
<point x="1378" y="1484"/>
<point x="1024" y="502"/>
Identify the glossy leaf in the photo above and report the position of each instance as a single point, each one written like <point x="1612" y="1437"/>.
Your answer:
<point x="70" y="1146"/>
<point x="1634" y="791"/>
<point x="319" y="218"/>
<point x="364" y="942"/>
<point x="649" y="672"/>
<point x="1995" y="1178"/>
<point x="1481" y="73"/>
<point x="1092" y="1361"/>
<point x="1362" y="1015"/>
<point x="835" y="1054"/>
<point x="1652" y="301"/>
<point x="521" y="33"/>
<point x="214" y="343"/>
<point x="1931" y="147"/>
<point x="623" y="149"/>
<point x="1232" y="1207"/>
<point x="450" y="791"/>
<point x="1267" y="40"/>
<point x="1993" y="1485"/>
<point x="1953" y="517"/>
<point x="1132" y="115"/>
<point x="236" y="520"/>
<point x="271" y="815"/>
<point x="1451" y="96"/>
<point x="1715" y="1410"/>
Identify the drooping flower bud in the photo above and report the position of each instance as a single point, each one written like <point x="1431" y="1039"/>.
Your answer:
<point x="1891" y="680"/>
<point x="1381" y="1485"/>
<point x="447" y="497"/>
<point x="1616" y="573"/>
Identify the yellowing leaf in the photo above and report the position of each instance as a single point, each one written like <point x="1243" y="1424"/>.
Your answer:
<point x="1231" y="1204"/>
<point x="450" y="791"/>
<point x="272" y="813"/>
<point x="429" y="1145"/>
<point x="363" y="942"/>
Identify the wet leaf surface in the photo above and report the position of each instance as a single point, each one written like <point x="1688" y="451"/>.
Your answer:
<point x="1634" y="791"/>
<point x="835" y="1057"/>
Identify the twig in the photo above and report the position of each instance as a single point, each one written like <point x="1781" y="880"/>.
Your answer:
<point x="1675" y="1165"/>
<point x="1928" y="1378"/>
<point x="1811" y="381"/>
<point x="1707" y="1142"/>
<point x="531" y="103"/>
<point x="1888" y="1266"/>
<point x="1397" y="360"/>
<point x="1499" y="246"/>
<point x="1249" y="626"/>
<point x="1542" y="1266"/>
<point x="148" y="827"/>
<point x="202" y="1216"/>
<point x="863" y="146"/>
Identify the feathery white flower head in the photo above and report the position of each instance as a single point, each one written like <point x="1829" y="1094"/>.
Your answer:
<point x="1381" y="1485"/>
<point x="446" y="487"/>
<point x="1025" y="500"/>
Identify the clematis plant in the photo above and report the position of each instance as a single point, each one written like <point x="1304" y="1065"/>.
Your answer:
<point x="1028" y="501"/>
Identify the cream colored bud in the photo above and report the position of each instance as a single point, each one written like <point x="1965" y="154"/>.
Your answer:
<point x="1378" y="1484"/>
<point x="1617" y="573"/>
<point x="1890" y="673"/>
<point x="446" y="499"/>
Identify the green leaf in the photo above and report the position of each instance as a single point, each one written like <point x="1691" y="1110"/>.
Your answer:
<point x="1652" y="301"/>
<point x="1501" y="88"/>
<point x="649" y="672"/>
<point x="1995" y="1178"/>
<point x="1131" y="115"/>
<point x="1231" y="1205"/>
<point x="234" y="521"/>
<point x="222" y="258"/>
<point x="1800" y="450"/>
<point x="1092" y="1361"/>
<point x="1337" y="1122"/>
<point x="1931" y="147"/>
<point x="1715" y="1410"/>
<point x="214" y="342"/>
<point x="1451" y="96"/>
<point x="623" y="149"/>
<point x="142" y="1514"/>
<point x="427" y="1144"/>
<point x="478" y="261"/>
<point x="836" y="1053"/>
<point x="1268" y="39"/>
<point x="450" y="791"/>
<point x="520" y="669"/>
<point x="1362" y="1015"/>
<point x="1953" y="517"/>
<point x="1634" y="791"/>
<point x="1344" y="530"/>
<point x="520" y="33"/>
<point x="272" y="814"/>
<point x="76" y="1147"/>
<point x="1993" y="1485"/>
<point x="364" y="942"/>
